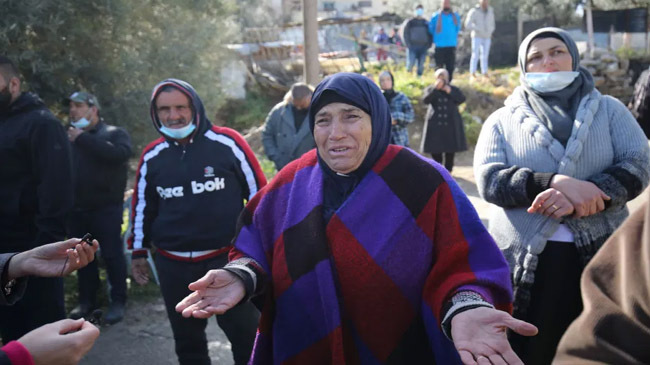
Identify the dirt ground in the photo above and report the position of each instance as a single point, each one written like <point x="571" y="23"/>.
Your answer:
<point x="145" y="337"/>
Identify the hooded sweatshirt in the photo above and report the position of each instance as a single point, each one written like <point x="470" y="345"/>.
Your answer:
<point x="187" y="196"/>
<point x="35" y="176"/>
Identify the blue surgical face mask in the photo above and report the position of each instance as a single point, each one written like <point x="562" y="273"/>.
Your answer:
<point x="419" y="12"/>
<point x="81" y="123"/>
<point x="178" y="133"/>
<point x="546" y="82"/>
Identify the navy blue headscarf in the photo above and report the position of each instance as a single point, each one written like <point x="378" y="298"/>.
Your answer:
<point x="359" y="91"/>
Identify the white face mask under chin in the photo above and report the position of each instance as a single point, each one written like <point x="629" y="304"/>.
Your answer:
<point x="545" y="82"/>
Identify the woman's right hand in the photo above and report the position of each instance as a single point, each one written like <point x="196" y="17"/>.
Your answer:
<point x="215" y="293"/>
<point x="551" y="203"/>
<point x="586" y="197"/>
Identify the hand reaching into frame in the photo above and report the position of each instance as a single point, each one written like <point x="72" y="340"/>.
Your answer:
<point x="63" y="342"/>
<point x="54" y="259"/>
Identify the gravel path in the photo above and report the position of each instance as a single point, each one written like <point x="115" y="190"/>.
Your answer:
<point x="145" y="337"/>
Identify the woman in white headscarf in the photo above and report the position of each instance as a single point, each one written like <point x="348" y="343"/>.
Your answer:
<point x="560" y="161"/>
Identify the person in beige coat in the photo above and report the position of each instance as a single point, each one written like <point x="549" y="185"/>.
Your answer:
<point x="480" y="21"/>
<point x="614" y="327"/>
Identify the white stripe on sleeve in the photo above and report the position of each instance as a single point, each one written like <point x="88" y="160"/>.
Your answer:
<point x="241" y="156"/>
<point x="138" y="219"/>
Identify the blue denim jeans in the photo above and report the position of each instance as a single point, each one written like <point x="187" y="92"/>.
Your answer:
<point x="480" y="51"/>
<point x="416" y="55"/>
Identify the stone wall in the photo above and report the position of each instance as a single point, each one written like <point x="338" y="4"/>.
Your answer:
<point x="610" y="74"/>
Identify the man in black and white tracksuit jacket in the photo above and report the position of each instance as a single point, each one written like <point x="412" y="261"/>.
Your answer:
<point x="190" y="187"/>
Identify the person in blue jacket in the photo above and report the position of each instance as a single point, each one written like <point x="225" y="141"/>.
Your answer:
<point x="445" y="26"/>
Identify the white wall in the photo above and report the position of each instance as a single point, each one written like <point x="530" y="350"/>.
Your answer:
<point x="233" y="79"/>
<point x="637" y="41"/>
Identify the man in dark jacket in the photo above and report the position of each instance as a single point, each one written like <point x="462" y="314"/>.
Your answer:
<point x="190" y="188"/>
<point x="36" y="195"/>
<point x="286" y="136"/>
<point x="100" y="160"/>
<point x="418" y="40"/>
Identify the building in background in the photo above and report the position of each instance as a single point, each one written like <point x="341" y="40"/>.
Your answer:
<point x="290" y="11"/>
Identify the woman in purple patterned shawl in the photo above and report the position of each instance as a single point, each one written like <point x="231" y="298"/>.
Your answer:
<point x="363" y="252"/>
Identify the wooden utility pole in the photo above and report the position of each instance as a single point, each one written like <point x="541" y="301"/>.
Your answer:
<point x="590" y="30"/>
<point x="310" y="48"/>
<point x="520" y="27"/>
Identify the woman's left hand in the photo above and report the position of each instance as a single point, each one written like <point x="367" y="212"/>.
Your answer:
<point x="479" y="335"/>
<point x="551" y="203"/>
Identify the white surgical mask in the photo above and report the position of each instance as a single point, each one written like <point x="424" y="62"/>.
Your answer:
<point x="545" y="82"/>
<point x="81" y="123"/>
<point x="419" y="12"/>
<point x="178" y="133"/>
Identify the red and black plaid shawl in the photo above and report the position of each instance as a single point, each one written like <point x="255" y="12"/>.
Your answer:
<point x="368" y="286"/>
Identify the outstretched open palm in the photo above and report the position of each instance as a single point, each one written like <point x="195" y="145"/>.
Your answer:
<point x="480" y="336"/>
<point x="214" y="293"/>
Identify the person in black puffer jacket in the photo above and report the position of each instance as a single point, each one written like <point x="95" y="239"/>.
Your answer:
<point x="36" y="195"/>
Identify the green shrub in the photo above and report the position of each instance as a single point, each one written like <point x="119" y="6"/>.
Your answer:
<point x="483" y="95"/>
<point x="627" y="53"/>
<point x="268" y="167"/>
<point x="247" y="113"/>
<point x="472" y="128"/>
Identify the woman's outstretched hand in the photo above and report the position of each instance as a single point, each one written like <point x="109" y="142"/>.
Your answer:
<point x="479" y="335"/>
<point x="214" y="293"/>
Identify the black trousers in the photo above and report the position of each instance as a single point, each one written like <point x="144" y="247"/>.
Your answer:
<point x="41" y="304"/>
<point x="555" y="302"/>
<point x="105" y="224"/>
<point x="239" y="323"/>
<point x="446" y="57"/>
<point x="446" y="159"/>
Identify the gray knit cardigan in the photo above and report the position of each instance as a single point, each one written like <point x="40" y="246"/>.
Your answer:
<point x="515" y="148"/>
